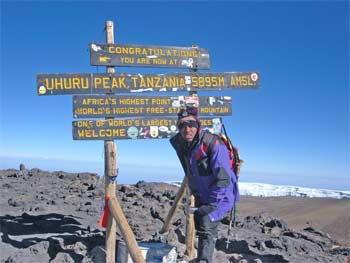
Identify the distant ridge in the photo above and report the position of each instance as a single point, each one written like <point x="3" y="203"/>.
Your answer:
<point x="269" y="190"/>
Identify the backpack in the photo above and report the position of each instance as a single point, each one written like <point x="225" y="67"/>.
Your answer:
<point x="209" y="141"/>
<point x="236" y="162"/>
<point x="233" y="152"/>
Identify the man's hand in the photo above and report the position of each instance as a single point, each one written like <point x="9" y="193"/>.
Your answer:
<point x="204" y="210"/>
<point x="192" y="210"/>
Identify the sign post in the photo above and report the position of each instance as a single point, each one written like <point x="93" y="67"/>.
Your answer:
<point x="110" y="156"/>
<point x="142" y="117"/>
<point x="190" y="227"/>
<point x="110" y="191"/>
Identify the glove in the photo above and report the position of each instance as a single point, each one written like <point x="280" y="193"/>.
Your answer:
<point x="203" y="210"/>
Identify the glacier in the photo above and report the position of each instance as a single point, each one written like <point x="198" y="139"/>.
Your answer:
<point x="270" y="190"/>
<point x="265" y="190"/>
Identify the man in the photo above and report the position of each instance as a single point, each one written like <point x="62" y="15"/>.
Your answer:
<point x="204" y="158"/>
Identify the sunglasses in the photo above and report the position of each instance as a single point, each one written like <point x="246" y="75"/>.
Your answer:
<point x="189" y="124"/>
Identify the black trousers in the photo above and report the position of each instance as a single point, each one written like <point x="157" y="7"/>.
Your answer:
<point x="207" y="232"/>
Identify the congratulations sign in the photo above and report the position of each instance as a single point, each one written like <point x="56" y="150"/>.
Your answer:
<point x="148" y="56"/>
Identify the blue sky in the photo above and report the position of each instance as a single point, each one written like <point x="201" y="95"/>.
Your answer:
<point x="294" y="130"/>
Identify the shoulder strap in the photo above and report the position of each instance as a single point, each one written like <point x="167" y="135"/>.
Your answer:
<point x="209" y="140"/>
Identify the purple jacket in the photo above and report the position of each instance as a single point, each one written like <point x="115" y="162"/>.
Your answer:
<point x="207" y="167"/>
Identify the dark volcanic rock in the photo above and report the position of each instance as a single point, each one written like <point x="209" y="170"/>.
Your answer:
<point x="54" y="237"/>
<point x="53" y="217"/>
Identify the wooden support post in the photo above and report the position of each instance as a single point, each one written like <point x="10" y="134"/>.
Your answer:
<point x="110" y="172"/>
<point x="178" y="199"/>
<point x="190" y="229"/>
<point x="129" y="238"/>
<point x="110" y="190"/>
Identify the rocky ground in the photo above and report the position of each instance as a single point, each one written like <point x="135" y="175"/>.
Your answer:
<point x="53" y="217"/>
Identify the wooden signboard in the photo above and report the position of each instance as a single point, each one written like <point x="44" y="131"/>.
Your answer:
<point x="138" y="128"/>
<point x="62" y="84"/>
<point x="148" y="56"/>
<point x="98" y="106"/>
<point x="102" y="83"/>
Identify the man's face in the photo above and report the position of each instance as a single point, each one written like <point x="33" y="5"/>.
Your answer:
<point x="188" y="128"/>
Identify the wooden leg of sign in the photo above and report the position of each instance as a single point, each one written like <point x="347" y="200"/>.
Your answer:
<point x="178" y="199"/>
<point x="128" y="235"/>
<point x="190" y="229"/>
<point x="110" y="190"/>
<point x="110" y="170"/>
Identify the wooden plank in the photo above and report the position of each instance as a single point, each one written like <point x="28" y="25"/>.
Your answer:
<point x="148" y="56"/>
<point x="62" y="84"/>
<point x="138" y="128"/>
<point x="128" y="235"/>
<point x="190" y="228"/>
<point x="110" y="149"/>
<point x="98" y="83"/>
<point x="98" y="106"/>
<point x="175" y="207"/>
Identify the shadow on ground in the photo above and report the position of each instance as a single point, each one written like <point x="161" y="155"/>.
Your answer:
<point x="63" y="234"/>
